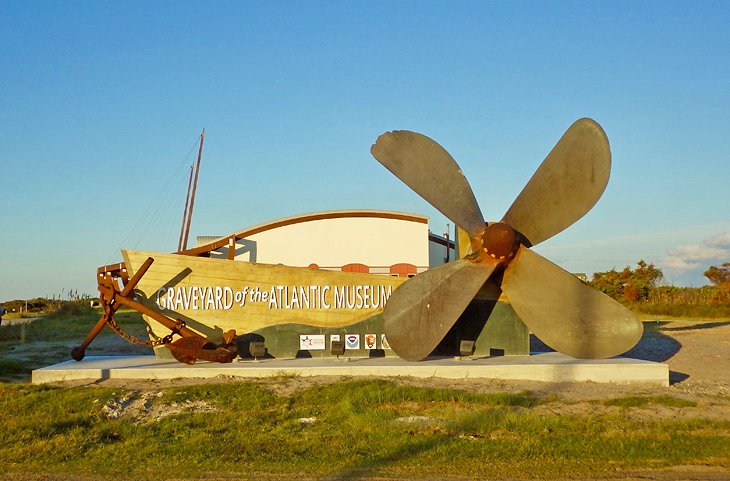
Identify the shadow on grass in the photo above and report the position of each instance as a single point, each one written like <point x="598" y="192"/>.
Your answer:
<point x="13" y="371"/>
<point x="366" y="469"/>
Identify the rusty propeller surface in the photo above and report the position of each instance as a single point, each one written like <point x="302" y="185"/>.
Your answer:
<point x="565" y="313"/>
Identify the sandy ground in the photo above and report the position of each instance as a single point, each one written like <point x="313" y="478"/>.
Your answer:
<point x="14" y="321"/>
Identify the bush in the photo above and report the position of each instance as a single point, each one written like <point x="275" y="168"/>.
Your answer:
<point x="73" y="309"/>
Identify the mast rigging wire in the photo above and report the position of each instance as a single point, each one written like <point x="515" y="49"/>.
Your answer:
<point x="162" y="203"/>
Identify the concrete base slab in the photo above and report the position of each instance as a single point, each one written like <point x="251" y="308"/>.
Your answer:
<point x="548" y="367"/>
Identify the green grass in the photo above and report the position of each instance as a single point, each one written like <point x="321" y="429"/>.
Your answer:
<point x="47" y="339"/>
<point x="360" y="427"/>
<point x="11" y="367"/>
<point x="644" y="401"/>
<point x="683" y="311"/>
<point x="71" y="324"/>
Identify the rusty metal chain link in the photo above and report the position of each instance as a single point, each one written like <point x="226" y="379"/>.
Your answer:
<point x="151" y="343"/>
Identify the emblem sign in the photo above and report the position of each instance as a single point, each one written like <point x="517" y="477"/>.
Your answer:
<point x="352" y="341"/>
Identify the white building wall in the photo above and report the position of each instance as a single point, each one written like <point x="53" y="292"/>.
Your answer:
<point x="377" y="242"/>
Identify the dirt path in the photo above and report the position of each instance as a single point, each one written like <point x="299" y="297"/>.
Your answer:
<point x="14" y="321"/>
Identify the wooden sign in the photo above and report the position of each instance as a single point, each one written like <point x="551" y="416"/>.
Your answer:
<point x="215" y="295"/>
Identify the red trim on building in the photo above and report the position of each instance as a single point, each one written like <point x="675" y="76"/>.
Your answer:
<point x="403" y="270"/>
<point x="355" y="267"/>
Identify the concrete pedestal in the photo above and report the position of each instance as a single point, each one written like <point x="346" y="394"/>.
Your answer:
<point x="547" y="367"/>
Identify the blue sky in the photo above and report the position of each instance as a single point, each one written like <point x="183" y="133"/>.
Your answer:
<point x="101" y="105"/>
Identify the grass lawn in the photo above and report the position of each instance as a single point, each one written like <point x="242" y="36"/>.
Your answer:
<point x="344" y="430"/>
<point x="370" y="428"/>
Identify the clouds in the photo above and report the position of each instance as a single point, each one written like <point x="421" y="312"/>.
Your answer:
<point x="690" y="261"/>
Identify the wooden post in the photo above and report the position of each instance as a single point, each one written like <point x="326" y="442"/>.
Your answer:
<point x="231" y="248"/>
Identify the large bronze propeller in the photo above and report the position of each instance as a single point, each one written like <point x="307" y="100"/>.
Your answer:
<point x="560" y="309"/>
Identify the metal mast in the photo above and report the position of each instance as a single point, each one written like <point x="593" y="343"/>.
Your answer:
<point x="188" y="214"/>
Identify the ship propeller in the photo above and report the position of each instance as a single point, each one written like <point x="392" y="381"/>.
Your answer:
<point x="561" y="310"/>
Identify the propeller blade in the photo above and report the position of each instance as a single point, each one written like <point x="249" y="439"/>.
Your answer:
<point x="566" y="313"/>
<point x="566" y="185"/>
<point x="422" y="310"/>
<point x="424" y="166"/>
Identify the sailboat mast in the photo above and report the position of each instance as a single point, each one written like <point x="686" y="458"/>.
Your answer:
<point x="185" y="210"/>
<point x="192" y="195"/>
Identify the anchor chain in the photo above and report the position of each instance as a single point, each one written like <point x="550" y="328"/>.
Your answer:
<point x="150" y="343"/>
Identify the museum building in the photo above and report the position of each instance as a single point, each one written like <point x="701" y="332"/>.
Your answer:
<point x="367" y="241"/>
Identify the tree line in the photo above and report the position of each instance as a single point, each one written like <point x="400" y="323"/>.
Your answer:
<point x="642" y="289"/>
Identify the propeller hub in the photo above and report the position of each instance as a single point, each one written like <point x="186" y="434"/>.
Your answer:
<point x="499" y="241"/>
